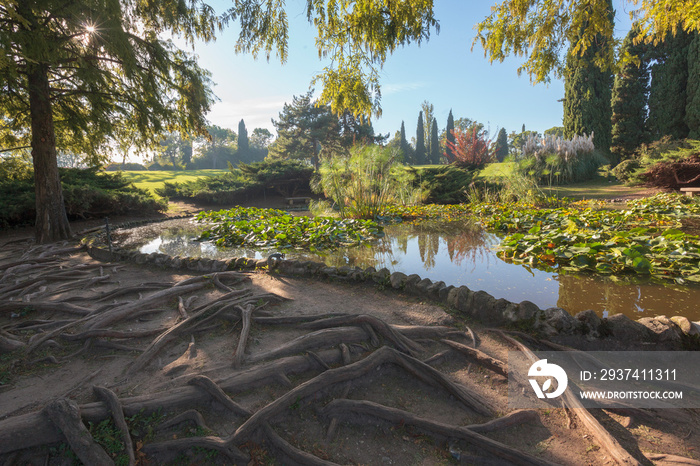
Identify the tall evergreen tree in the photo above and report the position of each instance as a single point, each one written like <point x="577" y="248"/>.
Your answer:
<point x="420" y="153"/>
<point x="403" y="145"/>
<point x="588" y="92"/>
<point x="669" y="80"/>
<point x="243" y="143"/>
<point x="692" y="106"/>
<point x="428" y="115"/>
<point x="305" y="131"/>
<point x="449" y="136"/>
<point x="500" y="149"/>
<point x="629" y="100"/>
<point x="435" y="152"/>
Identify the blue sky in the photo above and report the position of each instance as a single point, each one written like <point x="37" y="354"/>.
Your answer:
<point x="443" y="71"/>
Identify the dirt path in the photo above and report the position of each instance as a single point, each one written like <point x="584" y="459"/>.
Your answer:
<point x="235" y="368"/>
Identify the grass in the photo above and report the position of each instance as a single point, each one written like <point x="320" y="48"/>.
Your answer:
<point x="493" y="171"/>
<point x="597" y="188"/>
<point x="151" y="180"/>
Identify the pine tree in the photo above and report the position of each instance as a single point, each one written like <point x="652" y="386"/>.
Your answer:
<point x="428" y="115"/>
<point x="692" y="106"/>
<point x="449" y="136"/>
<point x="588" y="94"/>
<point x="420" y="153"/>
<point x="669" y="80"/>
<point x="500" y="150"/>
<point x="243" y="143"/>
<point x="629" y="101"/>
<point x="435" y="151"/>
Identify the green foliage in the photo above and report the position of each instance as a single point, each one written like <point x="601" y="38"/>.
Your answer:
<point x="449" y="136"/>
<point x="669" y="79"/>
<point x="435" y="151"/>
<point x="115" y="167"/>
<point x="665" y="150"/>
<point x="288" y="176"/>
<point x="629" y="101"/>
<point x="692" y="108"/>
<point x="588" y="89"/>
<point x="554" y="160"/>
<point x="541" y="30"/>
<point x="362" y="184"/>
<point x="500" y="149"/>
<point x="269" y="228"/>
<point x="445" y="184"/>
<point x="86" y="192"/>
<point x="420" y="155"/>
<point x="643" y="239"/>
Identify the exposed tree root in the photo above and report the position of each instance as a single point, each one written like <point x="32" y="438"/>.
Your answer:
<point x="191" y="415"/>
<point x="479" y="357"/>
<point x="206" y="384"/>
<point x="109" y="398"/>
<point x="603" y="437"/>
<point x="246" y="313"/>
<point x="350" y="408"/>
<point x="65" y="415"/>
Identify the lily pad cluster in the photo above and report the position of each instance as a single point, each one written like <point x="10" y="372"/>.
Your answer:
<point x="427" y="211"/>
<point x="271" y="228"/>
<point x="643" y="239"/>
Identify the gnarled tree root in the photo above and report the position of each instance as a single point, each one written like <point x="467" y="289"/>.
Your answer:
<point x="349" y="408"/>
<point x="108" y="397"/>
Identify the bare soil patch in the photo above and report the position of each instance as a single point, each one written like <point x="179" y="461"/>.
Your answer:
<point x="131" y="364"/>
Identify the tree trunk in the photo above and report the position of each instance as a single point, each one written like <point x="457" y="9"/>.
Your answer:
<point x="51" y="219"/>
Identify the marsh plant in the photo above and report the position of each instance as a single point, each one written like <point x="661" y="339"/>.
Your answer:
<point x="553" y="160"/>
<point x="363" y="184"/>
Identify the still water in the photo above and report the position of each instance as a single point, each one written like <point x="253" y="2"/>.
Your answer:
<point x="464" y="254"/>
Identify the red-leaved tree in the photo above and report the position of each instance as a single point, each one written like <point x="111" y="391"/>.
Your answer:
<point x="471" y="149"/>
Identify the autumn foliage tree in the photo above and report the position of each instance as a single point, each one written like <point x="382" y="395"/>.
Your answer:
<point x="471" y="149"/>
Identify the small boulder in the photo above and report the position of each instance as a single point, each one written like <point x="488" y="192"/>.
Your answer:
<point x="685" y="325"/>
<point x="663" y="328"/>
<point x="588" y="322"/>
<point x="381" y="276"/>
<point x="558" y="319"/>
<point x="398" y="280"/>
<point x="460" y="298"/>
<point x="422" y="287"/>
<point x="443" y="293"/>
<point x="623" y="328"/>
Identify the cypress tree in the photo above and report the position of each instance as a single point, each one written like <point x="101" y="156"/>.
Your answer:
<point x="669" y="79"/>
<point x="629" y="101"/>
<point x="588" y="93"/>
<point x="420" y="154"/>
<point x="434" y="144"/>
<point x="243" y="144"/>
<point x="692" y="106"/>
<point x="501" y="148"/>
<point x="403" y="145"/>
<point x="449" y="136"/>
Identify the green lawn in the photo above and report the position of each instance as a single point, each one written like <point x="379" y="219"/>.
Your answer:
<point x="496" y="170"/>
<point x="151" y="180"/>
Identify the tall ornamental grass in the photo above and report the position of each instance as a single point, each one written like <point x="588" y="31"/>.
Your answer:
<point x="363" y="184"/>
<point x="553" y="160"/>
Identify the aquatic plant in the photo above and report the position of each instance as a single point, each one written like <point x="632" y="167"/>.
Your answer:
<point x="270" y="228"/>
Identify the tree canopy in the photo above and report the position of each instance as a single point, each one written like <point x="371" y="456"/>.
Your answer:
<point x="543" y="30"/>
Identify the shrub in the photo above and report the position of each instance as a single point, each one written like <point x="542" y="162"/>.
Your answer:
<point x="446" y="184"/>
<point x="288" y="177"/>
<point x="86" y="192"/>
<point x="554" y="160"/>
<point x="470" y="150"/>
<point x="115" y="167"/>
<point x="364" y="183"/>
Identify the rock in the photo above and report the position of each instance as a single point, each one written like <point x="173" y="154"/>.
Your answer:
<point x="261" y="263"/>
<point x="460" y="298"/>
<point x="502" y="307"/>
<point x="434" y="290"/>
<point x="685" y="325"/>
<point x="623" y="328"/>
<point x="524" y="312"/>
<point x="482" y="306"/>
<point x="411" y="282"/>
<point x="662" y="328"/>
<point x="344" y="270"/>
<point x="422" y="287"/>
<point x="381" y="276"/>
<point x="588" y="322"/>
<point x="559" y="320"/>
<point x="398" y="280"/>
<point x="444" y="293"/>
<point x="328" y="271"/>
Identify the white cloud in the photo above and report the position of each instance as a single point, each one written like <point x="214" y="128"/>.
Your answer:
<point x="402" y="87"/>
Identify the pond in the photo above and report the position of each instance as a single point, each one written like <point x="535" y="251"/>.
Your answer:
<point x="459" y="253"/>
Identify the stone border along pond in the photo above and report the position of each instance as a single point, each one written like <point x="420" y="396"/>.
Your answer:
<point x="478" y="305"/>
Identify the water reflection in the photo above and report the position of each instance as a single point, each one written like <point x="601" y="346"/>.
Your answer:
<point x="460" y="253"/>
